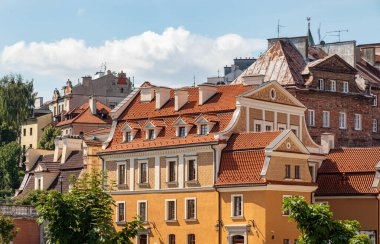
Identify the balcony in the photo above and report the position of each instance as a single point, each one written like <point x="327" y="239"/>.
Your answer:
<point x="19" y="211"/>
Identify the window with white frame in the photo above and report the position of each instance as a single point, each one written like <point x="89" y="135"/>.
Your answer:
<point x="190" y="208"/>
<point x="285" y="212"/>
<point x="333" y="85"/>
<point x="128" y="136"/>
<point x="121" y="173"/>
<point x="143" y="172"/>
<point x="142" y="210"/>
<point x="257" y="127"/>
<point x="203" y="129"/>
<point x="297" y="172"/>
<point x="311" y="117"/>
<point x="38" y="183"/>
<point x="321" y="84"/>
<point x="345" y="87"/>
<point x="281" y="127"/>
<point x="287" y="171"/>
<point x="326" y="119"/>
<point x="342" y="120"/>
<point x="294" y="129"/>
<point x="151" y="134"/>
<point x="191" y="169"/>
<point x="120" y="206"/>
<point x="374" y="125"/>
<point x="171" y="209"/>
<point x="236" y="205"/>
<point x="374" y="101"/>
<point x="171" y="173"/>
<point x="358" y="121"/>
<point x="312" y="171"/>
<point x="181" y="131"/>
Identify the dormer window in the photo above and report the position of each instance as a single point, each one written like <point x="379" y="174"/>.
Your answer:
<point x="151" y="134"/>
<point x="205" y="123"/>
<point x="182" y="131"/>
<point x="183" y="126"/>
<point x="129" y="131"/>
<point x="128" y="137"/>
<point x="153" y="128"/>
<point x="204" y="129"/>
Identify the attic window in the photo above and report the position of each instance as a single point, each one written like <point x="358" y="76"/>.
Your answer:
<point x="128" y="137"/>
<point x="151" y="134"/>
<point x="182" y="131"/>
<point x="203" y="129"/>
<point x="273" y="94"/>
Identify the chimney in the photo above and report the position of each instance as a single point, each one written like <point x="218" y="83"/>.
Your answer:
<point x="180" y="99"/>
<point x="92" y="103"/>
<point x="58" y="149"/>
<point x="162" y="96"/>
<point x="327" y="142"/>
<point x="69" y="145"/>
<point x="206" y="91"/>
<point x="249" y="80"/>
<point x="122" y="78"/>
<point x="38" y="102"/>
<point x="86" y="80"/>
<point x="147" y="94"/>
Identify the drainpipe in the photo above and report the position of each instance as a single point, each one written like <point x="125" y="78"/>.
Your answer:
<point x="219" y="212"/>
<point x="378" y="219"/>
<point x="103" y="171"/>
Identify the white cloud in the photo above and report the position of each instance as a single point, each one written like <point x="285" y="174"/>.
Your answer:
<point x="80" y="12"/>
<point x="170" y="58"/>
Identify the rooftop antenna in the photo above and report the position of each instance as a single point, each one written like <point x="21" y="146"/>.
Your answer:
<point x="319" y="33"/>
<point x="218" y="73"/>
<point x="278" y="28"/>
<point x="194" y="80"/>
<point x="336" y="33"/>
<point x="133" y="82"/>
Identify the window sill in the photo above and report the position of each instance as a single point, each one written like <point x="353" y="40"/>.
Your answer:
<point x="192" y="182"/>
<point x="191" y="220"/>
<point x="171" y="221"/>
<point x="121" y="222"/>
<point x="143" y="184"/>
<point x="237" y="217"/>
<point x="122" y="186"/>
<point x="172" y="183"/>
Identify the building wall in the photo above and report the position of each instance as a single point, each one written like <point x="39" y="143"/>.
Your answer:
<point x="37" y="126"/>
<point x="276" y="170"/>
<point x="29" y="231"/>
<point x="78" y="128"/>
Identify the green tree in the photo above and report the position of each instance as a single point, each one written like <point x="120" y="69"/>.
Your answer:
<point x="9" y="160"/>
<point x="31" y="198"/>
<point x="83" y="215"/>
<point x="47" y="138"/>
<point x="7" y="134"/>
<point x="317" y="226"/>
<point x="8" y="230"/>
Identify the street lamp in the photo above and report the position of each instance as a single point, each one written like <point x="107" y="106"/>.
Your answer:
<point x="61" y="181"/>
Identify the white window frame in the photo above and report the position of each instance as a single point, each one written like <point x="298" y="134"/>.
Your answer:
<point x="296" y="128"/>
<point x="344" y="120"/>
<point x="195" y="208"/>
<point x="321" y="84"/>
<point x="374" y="125"/>
<point x="36" y="185"/>
<point x="345" y="87"/>
<point x="187" y="159"/>
<point x="258" y="122"/>
<point x="326" y="119"/>
<point x="147" y="171"/>
<point x="311" y="114"/>
<point x="333" y="85"/>
<point x="167" y="209"/>
<point x="313" y="176"/>
<point x="168" y="169"/>
<point x="283" y="212"/>
<point x="233" y="206"/>
<point x="267" y="123"/>
<point x="200" y="129"/>
<point x="280" y="125"/>
<point x="118" y="173"/>
<point x="146" y="209"/>
<point x="299" y="172"/>
<point x="374" y="102"/>
<point x="358" y="122"/>
<point x="117" y="211"/>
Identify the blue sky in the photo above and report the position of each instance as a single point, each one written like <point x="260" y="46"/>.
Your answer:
<point x="166" y="42"/>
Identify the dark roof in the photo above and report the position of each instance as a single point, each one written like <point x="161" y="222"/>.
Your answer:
<point x="74" y="161"/>
<point x="67" y="176"/>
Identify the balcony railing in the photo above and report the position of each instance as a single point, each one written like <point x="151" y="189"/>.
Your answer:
<point x="19" y="211"/>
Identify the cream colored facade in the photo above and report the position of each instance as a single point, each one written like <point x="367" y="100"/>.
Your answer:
<point x="31" y="132"/>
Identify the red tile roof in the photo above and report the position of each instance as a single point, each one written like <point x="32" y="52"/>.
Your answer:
<point x="98" y="131"/>
<point x="368" y="72"/>
<point x="241" y="167"/>
<point x="250" y="140"/>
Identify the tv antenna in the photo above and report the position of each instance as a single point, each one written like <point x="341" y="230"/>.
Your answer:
<point x="194" y="80"/>
<point x="336" y="33"/>
<point x="279" y="28"/>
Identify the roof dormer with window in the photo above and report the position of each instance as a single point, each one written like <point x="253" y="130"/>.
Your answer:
<point x="153" y="128"/>
<point x="129" y="131"/>
<point x="205" y="123"/>
<point x="183" y="126"/>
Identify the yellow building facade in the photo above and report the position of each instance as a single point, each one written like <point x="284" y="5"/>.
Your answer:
<point x="32" y="130"/>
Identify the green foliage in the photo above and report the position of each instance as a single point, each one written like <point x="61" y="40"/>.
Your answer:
<point x="16" y="100"/>
<point x="9" y="159"/>
<point x="32" y="198"/>
<point x="83" y="215"/>
<point x="8" y="229"/>
<point x="317" y="226"/>
<point x="47" y="138"/>
<point x="7" y="134"/>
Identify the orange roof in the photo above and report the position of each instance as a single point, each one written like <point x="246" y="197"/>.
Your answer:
<point x="250" y="140"/>
<point x="98" y="131"/>
<point x="241" y="167"/>
<point x="85" y="116"/>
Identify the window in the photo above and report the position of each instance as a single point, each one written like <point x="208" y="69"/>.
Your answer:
<point x="31" y="131"/>
<point x="191" y="170"/>
<point x="120" y="211"/>
<point x="374" y="102"/>
<point x="204" y="130"/>
<point x="151" y="134"/>
<point x="297" y="172"/>
<point x="121" y="174"/>
<point x="170" y="210"/>
<point x="286" y="212"/>
<point x="326" y="119"/>
<point x="23" y="148"/>
<point x="374" y="125"/>
<point x="24" y="132"/>
<point x="333" y="85"/>
<point x="142" y="210"/>
<point x="171" y="239"/>
<point x="312" y="172"/>
<point x="294" y="128"/>
<point x="268" y="128"/>
<point x="321" y="84"/>
<point x="181" y="131"/>
<point x="342" y="121"/>
<point x="257" y="127"/>
<point x="143" y="239"/>
<point x="38" y="184"/>
<point x="287" y="171"/>
<point x="345" y="86"/>
<point x="286" y="241"/>
<point x="172" y="168"/>
<point x="143" y="172"/>
<point x="121" y="90"/>
<point x="190" y="208"/>
<point x="358" y="121"/>
<point x="311" y="117"/>
<point x="237" y="205"/>
<point x="30" y="145"/>
<point x="128" y="137"/>
<point x="190" y="239"/>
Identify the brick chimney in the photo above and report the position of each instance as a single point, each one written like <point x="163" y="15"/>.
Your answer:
<point x="180" y="99"/>
<point x="92" y="103"/>
<point x="206" y="91"/>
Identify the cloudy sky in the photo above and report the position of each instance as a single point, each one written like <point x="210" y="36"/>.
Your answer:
<point x="165" y="42"/>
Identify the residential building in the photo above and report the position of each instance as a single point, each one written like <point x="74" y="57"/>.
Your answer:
<point x="348" y="180"/>
<point x="231" y="72"/>
<point x="169" y="147"/>
<point x="371" y="53"/>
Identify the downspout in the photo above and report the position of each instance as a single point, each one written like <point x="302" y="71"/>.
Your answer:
<point x="219" y="202"/>
<point x="103" y="172"/>
<point x="378" y="219"/>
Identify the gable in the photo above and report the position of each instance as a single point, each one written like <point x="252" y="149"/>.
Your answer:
<point x="334" y="64"/>
<point x="288" y="145"/>
<point x="287" y="141"/>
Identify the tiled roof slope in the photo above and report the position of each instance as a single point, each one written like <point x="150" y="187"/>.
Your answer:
<point x="368" y="72"/>
<point x="348" y="171"/>
<point x="282" y="62"/>
<point x="249" y="140"/>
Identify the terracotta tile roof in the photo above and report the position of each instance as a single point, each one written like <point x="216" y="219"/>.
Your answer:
<point x="156" y="122"/>
<point x="223" y="100"/>
<point x="368" y="72"/>
<point x="282" y="62"/>
<point x="241" y="167"/>
<point x="346" y="160"/>
<point x="98" y="131"/>
<point x="350" y="184"/>
<point x="132" y="124"/>
<point x="187" y="119"/>
<point x="250" y="140"/>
